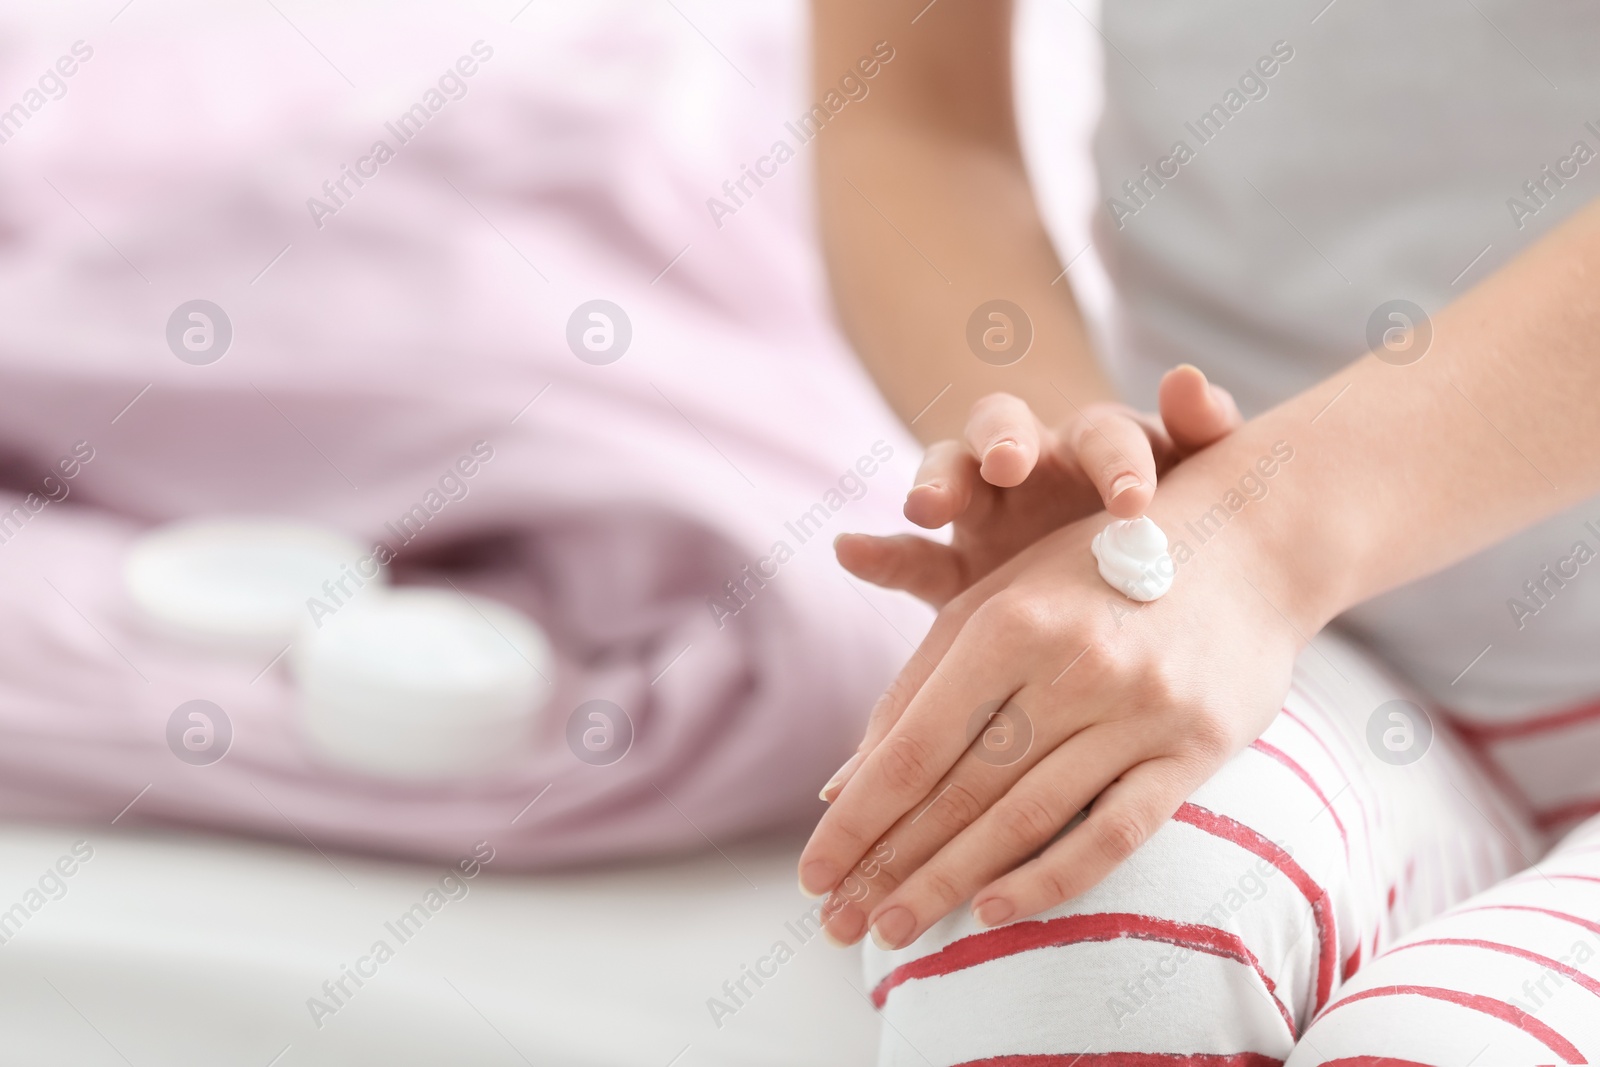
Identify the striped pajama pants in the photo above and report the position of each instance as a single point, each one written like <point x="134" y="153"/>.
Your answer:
<point x="1330" y="896"/>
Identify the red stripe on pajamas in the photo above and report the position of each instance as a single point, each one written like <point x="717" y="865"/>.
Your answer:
<point x="1370" y="819"/>
<point x="1305" y="776"/>
<point x="1500" y="777"/>
<point x="1335" y="725"/>
<point x="1510" y="950"/>
<point x="1498" y="1009"/>
<point x="1321" y="904"/>
<point x="1355" y="794"/>
<point x="1481" y="737"/>
<point x="1530" y="877"/>
<point x="1481" y="733"/>
<point x="1066" y="930"/>
<point x="1574" y="811"/>
<point x="1592" y="927"/>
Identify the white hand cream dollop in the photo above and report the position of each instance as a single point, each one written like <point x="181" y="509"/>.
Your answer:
<point x="1133" y="558"/>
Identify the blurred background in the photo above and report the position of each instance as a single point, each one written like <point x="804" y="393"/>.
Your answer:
<point x="402" y="407"/>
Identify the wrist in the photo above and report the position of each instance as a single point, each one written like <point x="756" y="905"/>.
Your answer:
<point x="1244" y="507"/>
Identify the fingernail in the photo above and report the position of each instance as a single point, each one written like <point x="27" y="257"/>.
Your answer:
<point x="1124" y="483"/>
<point x="993" y="912"/>
<point x="1004" y="442"/>
<point x="806" y="892"/>
<point x="850" y="923"/>
<point x="893" y="928"/>
<point x="836" y="783"/>
<point x="816" y="878"/>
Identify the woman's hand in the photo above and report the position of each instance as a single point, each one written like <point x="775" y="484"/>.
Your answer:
<point x="1012" y="480"/>
<point x="1038" y="692"/>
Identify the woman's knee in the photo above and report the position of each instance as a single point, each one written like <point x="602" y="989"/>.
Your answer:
<point x="1226" y="932"/>
<point x="1213" y="936"/>
<point x="1511" y="975"/>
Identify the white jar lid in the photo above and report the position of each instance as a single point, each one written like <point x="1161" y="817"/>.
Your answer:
<point x="420" y="684"/>
<point x="241" y="584"/>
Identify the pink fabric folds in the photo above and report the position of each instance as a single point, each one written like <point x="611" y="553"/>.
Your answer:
<point x="375" y="344"/>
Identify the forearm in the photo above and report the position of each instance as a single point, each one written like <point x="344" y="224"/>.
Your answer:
<point x="1400" y="471"/>
<point x="908" y="315"/>
<point x="927" y="213"/>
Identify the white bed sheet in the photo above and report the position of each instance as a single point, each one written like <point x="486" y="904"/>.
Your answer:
<point x="179" y="950"/>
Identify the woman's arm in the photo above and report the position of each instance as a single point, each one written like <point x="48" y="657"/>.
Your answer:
<point x="927" y="213"/>
<point x="1379" y="476"/>
<point x="1400" y="471"/>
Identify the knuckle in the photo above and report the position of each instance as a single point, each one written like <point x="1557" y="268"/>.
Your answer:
<point x="1114" y="466"/>
<point x="1088" y="435"/>
<point x="1053" y="885"/>
<point x="954" y="808"/>
<point x="898" y="567"/>
<point x="843" y="838"/>
<point x="886" y="879"/>
<point x="905" y="763"/>
<point x="1118" y="835"/>
<point x="935" y="883"/>
<point x="956" y="613"/>
<point x="1199" y="726"/>
<point x="895" y="697"/>
<point x="1092" y="660"/>
<point x="852" y="888"/>
<point x="875" y="883"/>
<point x="1082" y="435"/>
<point x="1163" y="685"/>
<point x="849" y="839"/>
<point x="1210" y="734"/>
<point x="1024" y="823"/>
<point x="1020" y="616"/>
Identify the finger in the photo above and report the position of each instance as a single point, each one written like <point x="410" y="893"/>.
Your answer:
<point x="843" y="923"/>
<point x="1016" y="826"/>
<point x="922" y="746"/>
<point x="943" y="486"/>
<point x="1004" y="748"/>
<point x="1122" y="818"/>
<point x="888" y="708"/>
<point x="1115" y="452"/>
<point x="1195" y="412"/>
<point x="925" y="569"/>
<point x="1003" y="433"/>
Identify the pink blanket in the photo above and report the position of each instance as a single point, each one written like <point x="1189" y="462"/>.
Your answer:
<point x="375" y="338"/>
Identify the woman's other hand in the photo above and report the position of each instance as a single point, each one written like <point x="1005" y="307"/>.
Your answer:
<point x="1011" y="480"/>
